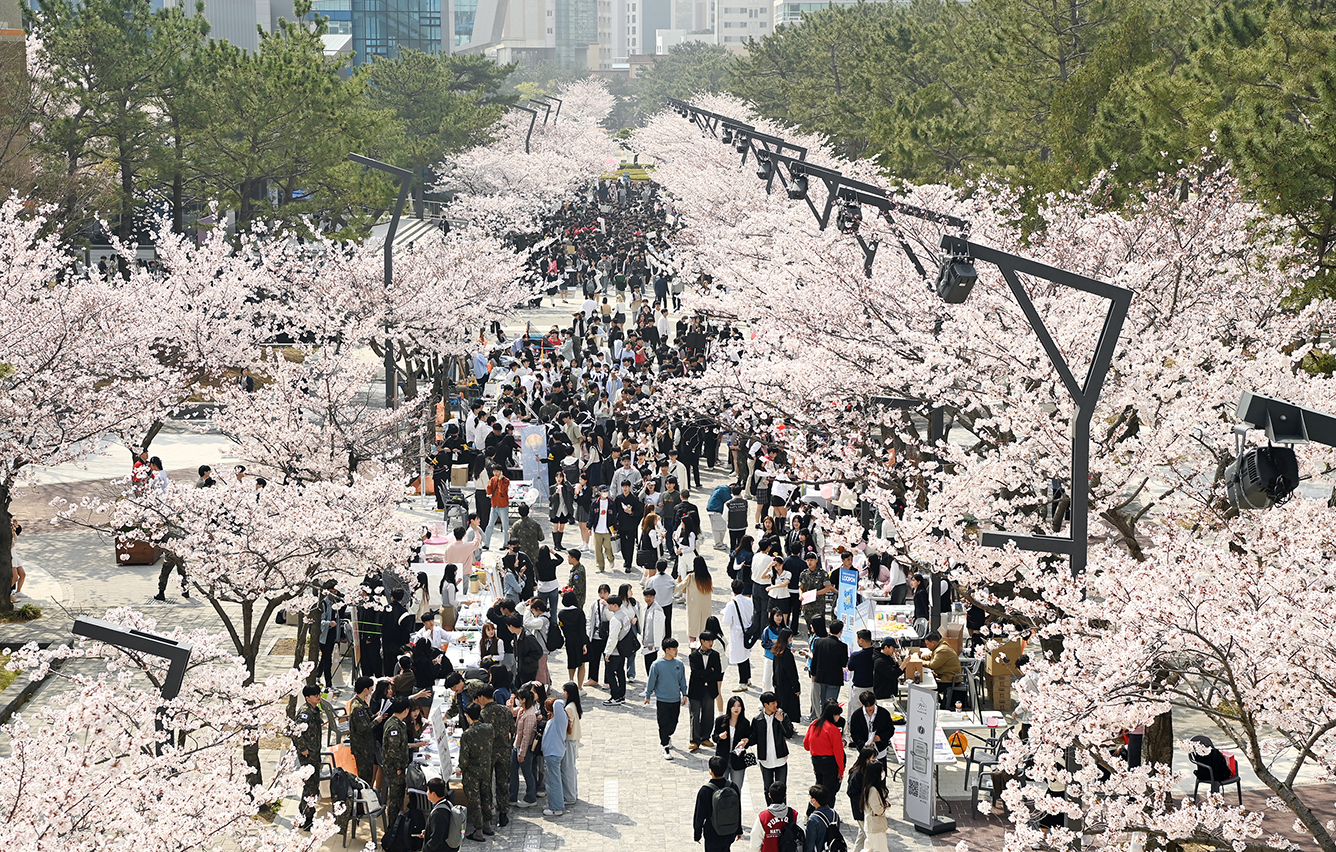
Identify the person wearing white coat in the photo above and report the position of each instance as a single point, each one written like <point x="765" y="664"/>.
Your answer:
<point x="736" y="618"/>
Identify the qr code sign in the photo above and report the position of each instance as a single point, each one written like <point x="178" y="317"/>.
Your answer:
<point x="913" y="787"/>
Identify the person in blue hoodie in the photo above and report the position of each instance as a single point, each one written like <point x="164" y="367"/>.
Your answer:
<point x="667" y="685"/>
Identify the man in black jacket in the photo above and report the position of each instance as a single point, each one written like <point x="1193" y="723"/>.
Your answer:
<point x="829" y="657"/>
<point x="629" y="510"/>
<point x="503" y="615"/>
<point x="438" y="818"/>
<point x="870" y="725"/>
<point x="702" y="689"/>
<point x="702" y="820"/>
<point x="886" y="672"/>
<point x="396" y="625"/>
<point x="770" y="732"/>
<point x="527" y="654"/>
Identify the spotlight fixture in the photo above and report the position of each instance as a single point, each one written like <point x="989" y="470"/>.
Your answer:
<point x="797" y="184"/>
<point x="765" y="169"/>
<point x="741" y="147"/>
<point x="849" y="218"/>
<point x="727" y="136"/>
<point x="1262" y="477"/>
<point x="955" y="279"/>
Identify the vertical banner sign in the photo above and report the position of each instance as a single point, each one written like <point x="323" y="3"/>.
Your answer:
<point x="846" y="606"/>
<point x="921" y="730"/>
<point x="533" y="456"/>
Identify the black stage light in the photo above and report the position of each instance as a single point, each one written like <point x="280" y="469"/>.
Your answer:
<point x="797" y="185"/>
<point x="727" y="136"/>
<point x="1262" y="477"/>
<point x="849" y="218"/>
<point x="764" y="169"/>
<point x="955" y="279"/>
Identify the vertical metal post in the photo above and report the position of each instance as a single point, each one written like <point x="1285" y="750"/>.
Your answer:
<point x="405" y="180"/>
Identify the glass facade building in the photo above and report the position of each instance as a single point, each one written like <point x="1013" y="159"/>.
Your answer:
<point x="576" y="30"/>
<point x="382" y="27"/>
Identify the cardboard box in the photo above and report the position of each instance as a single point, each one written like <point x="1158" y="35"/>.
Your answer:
<point x="913" y="669"/>
<point x="1002" y="660"/>
<point x="999" y="692"/>
<point x="954" y="635"/>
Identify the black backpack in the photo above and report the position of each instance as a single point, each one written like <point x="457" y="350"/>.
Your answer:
<point x="400" y="836"/>
<point x="792" y="838"/>
<point x="726" y="810"/>
<point x="834" y="840"/>
<point x="340" y="785"/>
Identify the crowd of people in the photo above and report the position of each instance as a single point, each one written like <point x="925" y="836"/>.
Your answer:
<point x="624" y="492"/>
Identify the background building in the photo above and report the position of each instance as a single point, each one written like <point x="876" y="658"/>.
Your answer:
<point x="741" y="20"/>
<point x="382" y="27"/>
<point x="236" y="20"/>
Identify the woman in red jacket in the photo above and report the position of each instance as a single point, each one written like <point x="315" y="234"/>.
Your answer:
<point x="824" y="740"/>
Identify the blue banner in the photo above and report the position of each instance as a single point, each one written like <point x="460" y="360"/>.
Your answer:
<point x="846" y="606"/>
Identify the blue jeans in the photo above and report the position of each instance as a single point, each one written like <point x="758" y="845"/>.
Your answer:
<point x="553" y="601"/>
<point x="499" y="514"/>
<point x="555" y="798"/>
<point x="516" y="767"/>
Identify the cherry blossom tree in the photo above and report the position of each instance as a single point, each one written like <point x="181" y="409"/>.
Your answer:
<point x="114" y="767"/>
<point x="504" y="189"/>
<point x="1209" y="275"/>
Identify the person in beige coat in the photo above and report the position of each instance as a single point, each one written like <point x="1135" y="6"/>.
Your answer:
<point x="699" y="588"/>
<point x="874" y="807"/>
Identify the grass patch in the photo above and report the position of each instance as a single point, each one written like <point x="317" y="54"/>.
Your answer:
<point x="23" y="614"/>
<point x="6" y="676"/>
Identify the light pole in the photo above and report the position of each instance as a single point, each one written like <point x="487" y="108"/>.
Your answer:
<point x="405" y="178"/>
<point x="176" y="653"/>
<point x="533" y="117"/>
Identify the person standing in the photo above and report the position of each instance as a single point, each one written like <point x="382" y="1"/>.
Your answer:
<point x="554" y="751"/>
<point x="570" y="781"/>
<point x="829" y="657"/>
<point x="361" y="729"/>
<point x="498" y="492"/>
<point x="735" y="516"/>
<point x="575" y="636"/>
<point x="527" y="533"/>
<point x="698" y="586"/>
<point x="664" y="588"/>
<point x="394" y="758"/>
<point x="737" y="620"/>
<point x="886" y="672"/>
<point x="667" y="685"/>
<point x="578" y="576"/>
<point x="441" y="461"/>
<point x="651" y="627"/>
<point x="629" y="511"/>
<point x="862" y="663"/>
<point x="503" y="734"/>
<point x="785" y="665"/>
<point x="873" y="799"/>
<point x="822" y="818"/>
<point x="599" y="619"/>
<point x="770" y="731"/>
<point x="824" y="741"/>
<point x="717" y="820"/>
<point x="526" y="723"/>
<point x="812" y="579"/>
<point x="307" y="742"/>
<point x="703" y="689"/>
<point x="870" y="725"/>
<point x="475" y="766"/>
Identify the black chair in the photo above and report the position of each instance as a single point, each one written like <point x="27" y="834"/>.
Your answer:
<point x="1213" y="768"/>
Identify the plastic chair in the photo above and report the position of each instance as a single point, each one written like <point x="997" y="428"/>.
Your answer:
<point x="965" y="689"/>
<point x="363" y="805"/>
<point x="985" y="755"/>
<point x="1210" y="768"/>
<point x="985" y="784"/>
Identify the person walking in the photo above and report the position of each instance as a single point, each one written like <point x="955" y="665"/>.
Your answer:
<point x="699" y="588"/>
<point x="717" y="820"/>
<point x="737" y="620"/>
<point x="870" y="725"/>
<point x="667" y="686"/>
<point x="498" y="495"/>
<point x="830" y="656"/>
<point x="603" y="524"/>
<point x="308" y="742"/>
<point x="570" y="778"/>
<point x="475" y="767"/>
<point x="824" y="741"/>
<point x="732" y="737"/>
<point x="599" y="621"/>
<point x="614" y="658"/>
<point x="554" y="751"/>
<point x="703" y="690"/>
<point x="787" y="686"/>
<point x="822" y="819"/>
<point x="651" y="627"/>
<point x="771" y="822"/>
<point x="503" y="735"/>
<point x="771" y="730"/>
<point x="664" y="589"/>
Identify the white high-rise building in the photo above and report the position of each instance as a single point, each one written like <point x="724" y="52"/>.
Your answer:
<point x="736" y="21"/>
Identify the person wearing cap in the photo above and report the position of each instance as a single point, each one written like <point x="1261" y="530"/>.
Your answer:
<point x="886" y="671"/>
<point x="603" y="524"/>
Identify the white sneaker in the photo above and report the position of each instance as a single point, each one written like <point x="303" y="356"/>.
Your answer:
<point x="667" y="753"/>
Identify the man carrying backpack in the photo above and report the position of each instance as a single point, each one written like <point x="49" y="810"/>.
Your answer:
<point x="776" y="828"/>
<point x="443" y="832"/>
<point x="823" y="825"/>
<point x="718" y="817"/>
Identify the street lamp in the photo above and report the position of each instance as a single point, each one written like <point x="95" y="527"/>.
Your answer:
<point x="558" y="101"/>
<point x="176" y="653"/>
<point x="533" y="117"/>
<point x="1084" y="395"/>
<point x="405" y="178"/>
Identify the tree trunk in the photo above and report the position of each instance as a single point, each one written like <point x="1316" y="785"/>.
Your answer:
<point x="1157" y="744"/>
<point x="6" y="551"/>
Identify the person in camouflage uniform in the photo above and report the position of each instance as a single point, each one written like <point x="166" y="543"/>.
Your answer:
<point x="361" y="729"/>
<point x="475" y="765"/>
<point x="308" y="743"/>
<point x="395" y="758"/>
<point x="577" y="578"/>
<point x="466" y="692"/>
<point x="814" y="579"/>
<point x="503" y="732"/>
<point x="527" y="534"/>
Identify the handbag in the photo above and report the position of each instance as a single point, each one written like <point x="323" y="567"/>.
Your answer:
<point x="628" y="644"/>
<point x="749" y="758"/>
